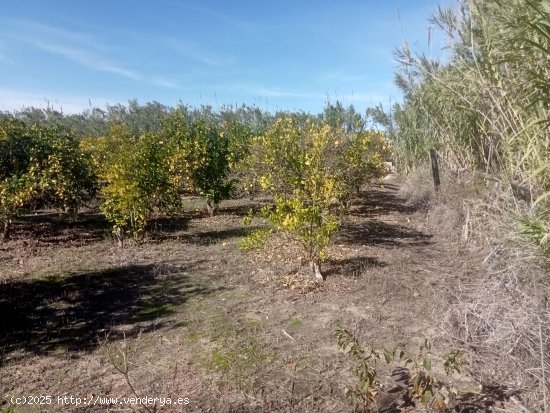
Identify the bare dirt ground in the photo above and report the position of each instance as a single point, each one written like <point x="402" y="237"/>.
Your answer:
<point x="190" y="315"/>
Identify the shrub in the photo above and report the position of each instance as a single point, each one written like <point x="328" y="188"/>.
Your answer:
<point x="136" y="179"/>
<point x="312" y="171"/>
<point x="43" y="164"/>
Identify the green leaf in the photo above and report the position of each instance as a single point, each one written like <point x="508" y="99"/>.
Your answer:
<point x="427" y="364"/>
<point x="426" y="397"/>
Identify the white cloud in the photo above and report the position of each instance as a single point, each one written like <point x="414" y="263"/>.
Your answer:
<point x="13" y="100"/>
<point x="87" y="59"/>
<point x="165" y="82"/>
<point x="236" y="23"/>
<point x="193" y="51"/>
<point x="280" y="93"/>
<point x="29" y="29"/>
<point x="80" y="48"/>
<point x="5" y="59"/>
<point x="340" y="76"/>
<point x="74" y="46"/>
<point x="365" y="97"/>
<point x="268" y="91"/>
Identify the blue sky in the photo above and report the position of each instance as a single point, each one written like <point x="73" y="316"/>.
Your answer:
<point x="277" y="55"/>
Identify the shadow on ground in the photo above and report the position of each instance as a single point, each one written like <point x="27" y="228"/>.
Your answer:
<point x="211" y="237"/>
<point x="354" y="266"/>
<point x="242" y="207"/>
<point x="160" y="226"/>
<point x="73" y="312"/>
<point x="381" y="233"/>
<point x="53" y="228"/>
<point x="397" y="399"/>
<point x="381" y="200"/>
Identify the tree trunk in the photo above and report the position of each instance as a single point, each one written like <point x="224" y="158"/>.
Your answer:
<point x="6" y="230"/>
<point x="119" y="234"/>
<point x="72" y="209"/>
<point x="315" y="267"/>
<point x="211" y="207"/>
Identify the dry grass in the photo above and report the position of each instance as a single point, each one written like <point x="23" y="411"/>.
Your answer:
<point x="502" y="318"/>
<point x="233" y="331"/>
<point x="417" y="189"/>
<point x="505" y="318"/>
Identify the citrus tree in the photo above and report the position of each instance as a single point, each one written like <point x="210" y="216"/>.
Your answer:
<point x="135" y="179"/>
<point x="361" y="160"/>
<point x="15" y="191"/>
<point x="209" y="163"/>
<point x="62" y="172"/>
<point x="43" y="164"/>
<point x="310" y="170"/>
<point x="15" y="186"/>
<point x="239" y="138"/>
<point x="204" y="155"/>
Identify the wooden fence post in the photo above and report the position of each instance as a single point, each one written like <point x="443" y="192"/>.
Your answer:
<point x="435" y="169"/>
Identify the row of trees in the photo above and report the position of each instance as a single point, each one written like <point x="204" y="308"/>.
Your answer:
<point x="148" y="117"/>
<point x="142" y="173"/>
<point x="312" y="166"/>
